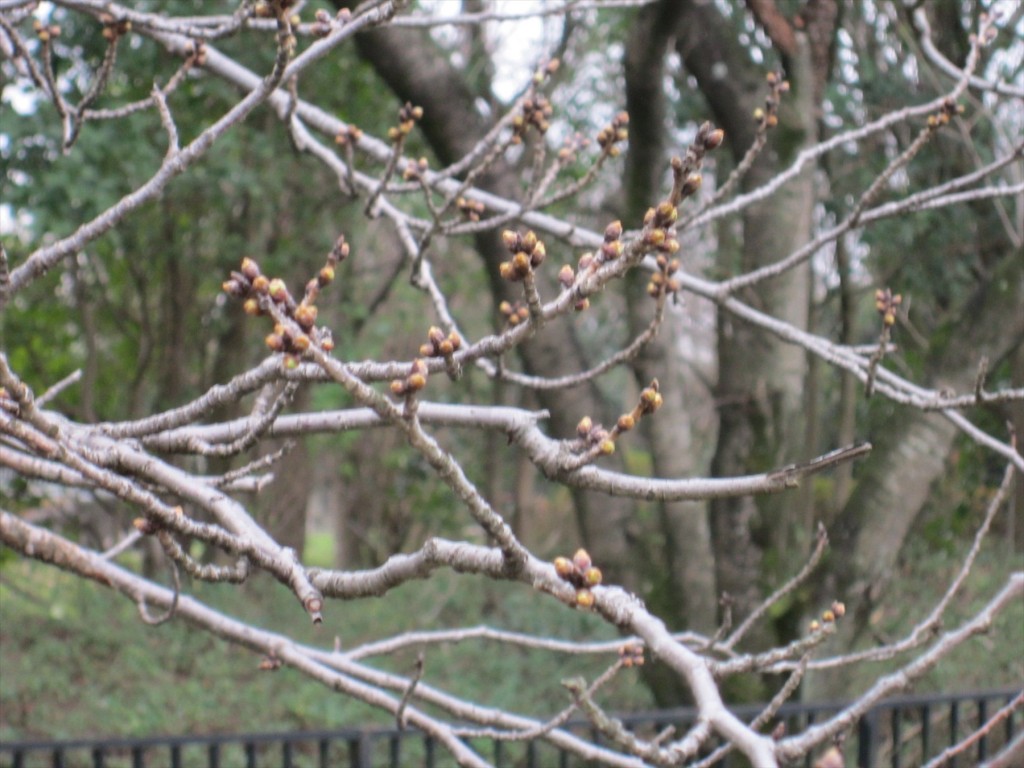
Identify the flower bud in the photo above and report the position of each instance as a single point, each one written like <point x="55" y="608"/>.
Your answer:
<point x="566" y="276"/>
<point x="305" y="315"/>
<point x="584" y="598"/>
<point x="250" y="268"/>
<point x="564" y="567"/>
<point x="714" y="139"/>
<point x="581" y="559"/>
<point x="277" y="289"/>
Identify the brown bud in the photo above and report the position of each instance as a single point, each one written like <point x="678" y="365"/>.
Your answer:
<point x="538" y="255"/>
<point x="416" y="382"/>
<point x="261" y="284"/>
<point x="592" y="576"/>
<point x="839" y="608"/>
<point x="521" y="263"/>
<point x="305" y="315"/>
<point x="398" y="387"/>
<point x="529" y="241"/>
<point x="507" y="271"/>
<point x="566" y="276"/>
<point x="714" y="139"/>
<point x="654" y="237"/>
<point x="251" y="307"/>
<point x="584" y="598"/>
<point x="612" y="250"/>
<point x="455" y="340"/>
<point x="426" y="350"/>
<point x="512" y="240"/>
<point x="626" y="422"/>
<point x="581" y="305"/>
<point x="275" y="342"/>
<point x="613" y="231"/>
<point x="581" y="560"/>
<point x="277" y="289"/>
<point x="564" y="567"/>
<point x="666" y="213"/>
<point x="301" y="342"/>
<point x="692" y="184"/>
<point x="583" y="428"/>
<point x="250" y="268"/>
<point x="145" y="526"/>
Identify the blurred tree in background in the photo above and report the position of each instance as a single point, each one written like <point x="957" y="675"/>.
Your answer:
<point x="820" y="103"/>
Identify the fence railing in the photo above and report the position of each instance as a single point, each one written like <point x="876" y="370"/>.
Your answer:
<point x="900" y="732"/>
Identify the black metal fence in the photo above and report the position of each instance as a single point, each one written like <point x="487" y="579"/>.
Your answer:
<point x="901" y="732"/>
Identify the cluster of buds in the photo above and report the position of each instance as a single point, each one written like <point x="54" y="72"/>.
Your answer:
<point x="768" y="116"/>
<point x="48" y="32"/>
<point x="324" y="23"/>
<point x="439" y="345"/>
<point x="595" y="436"/>
<point x="471" y="209"/>
<point x="408" y="116"/>
<point x="602" y="440"/>
<point x="195" y="52"/>
<point x="662" y="282"/>
<point x="145" y="526"/>
<point x="571" y="146"/>
<point x="566" y="278"/>
<point x="114" y="28"/>
<point x="514" y="314"/>
<point x="581" y="573"/>
<point x="947" y="112"/>
<point x="829" y="616"/>
<point x="413" y="383"/>
<point x="886" y="303"/>
<point x="611" y="248"/>
<point x="348" y="136"/>
<point x="257" y="290"/>
<point x="270" y="663"/>
<point x="528" y="253"/>
<point x="659" y="223"/>
<point x="414" y="169"/>
<point x="631" y="655"/>
<point x="535" y="113"/>
<point x="275" y="9"/>
<point x="650" y="401"/>
<point x="613" y="134"/>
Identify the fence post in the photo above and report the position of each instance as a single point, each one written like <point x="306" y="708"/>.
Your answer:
<point x="867" y="740"/>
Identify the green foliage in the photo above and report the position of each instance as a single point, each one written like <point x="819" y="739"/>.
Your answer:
<point x="68" y="675"/>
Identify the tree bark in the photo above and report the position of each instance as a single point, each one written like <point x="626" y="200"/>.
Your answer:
<point x="685" y="570"/>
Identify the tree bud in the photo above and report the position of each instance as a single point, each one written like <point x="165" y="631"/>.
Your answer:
<point x="581" y="559"/>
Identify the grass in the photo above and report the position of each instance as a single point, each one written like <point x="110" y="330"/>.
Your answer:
<point x="77" y="661"/>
